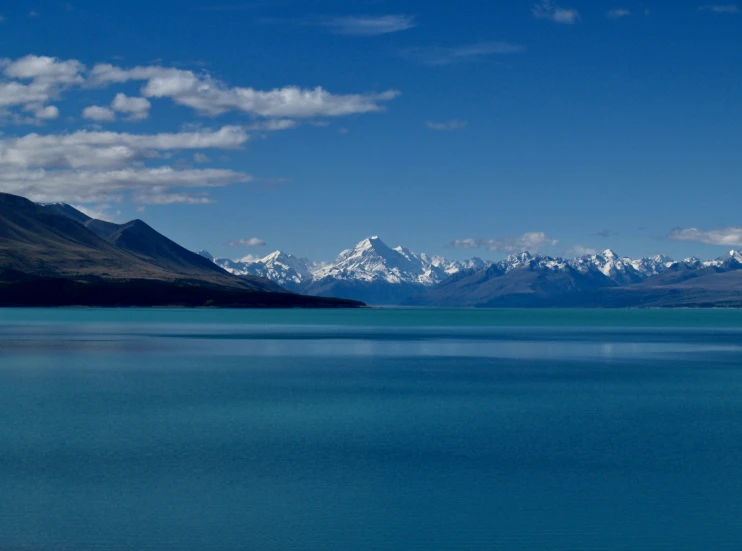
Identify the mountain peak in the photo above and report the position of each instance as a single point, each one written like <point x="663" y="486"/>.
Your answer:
<point x="206" y="254"/>
<point x="370" y="242"/>
<point x="609" y="253"/>
<point x="275" y="255"/>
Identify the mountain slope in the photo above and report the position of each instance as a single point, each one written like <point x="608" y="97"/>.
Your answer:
<point x="148" y="253"/>
<point x="37" y="240"/>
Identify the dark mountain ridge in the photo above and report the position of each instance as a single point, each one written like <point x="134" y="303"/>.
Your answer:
<point x="56" y="255"/>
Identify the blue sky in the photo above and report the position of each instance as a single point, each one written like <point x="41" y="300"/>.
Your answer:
<point x="470" y="128"/>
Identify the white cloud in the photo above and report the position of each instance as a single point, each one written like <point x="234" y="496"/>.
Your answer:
<point x="162" y="185"/>
<point x="87" y="149"/>
<point x="467" y="243"/>
<point x="720" y="8"/>
<point x="46" y="113"/>
<point x="547" y="9"/>
<point x="96" y="167"/>
<point x="618" y="13"/>
<point x="369" y="25"/>
<point x="15" y="93"/>
<point x="47" y="76"/>
<point x="731" y="236"/>
<point x="98" y="114"/>
<point x="44" y="70"/>
<point x="212" y="97"/>
<point x="137" y="109"/>
<point x="579" y="250"/>
<point x="249" y="242"/>
<point x="530" y="241"/>
<point x="273" y="125"/>
<point x="454" y="124"/>
<point x="458" y="54"/>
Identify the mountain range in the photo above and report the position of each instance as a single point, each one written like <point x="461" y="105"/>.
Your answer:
<point x="376" y="274"/>
<point x="54" y="255"/>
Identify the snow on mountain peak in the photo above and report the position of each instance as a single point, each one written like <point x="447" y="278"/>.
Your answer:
<point x="371" y="261"/>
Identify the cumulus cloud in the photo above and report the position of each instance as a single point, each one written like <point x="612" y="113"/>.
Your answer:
<point x="37" y="79"/>
<point x="248" y="242"/>
<point x="15" y="93"/>
<point x="454" y="124"/>
<point x="211" y="97"/>
<point x="530" y="241"/>
<point x="547" y="9"/>
<point x="137" y="109"/>
<point x="97" y="167"/>
<point x="457" y="54"/>
<point x="720" y="8"/>
<point x="46" y="113"/>
<point x="98" y="114"/>
<point x="44" y="69"/>
<point x="731" y="236"/>
<point x="618" y="13"/>
<point x="369" y="25"/>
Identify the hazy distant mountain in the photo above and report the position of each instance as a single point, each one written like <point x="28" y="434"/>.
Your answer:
<point x="56" y="255"/>
<point x="592" y="281"/>
<point x="520" y="279"/>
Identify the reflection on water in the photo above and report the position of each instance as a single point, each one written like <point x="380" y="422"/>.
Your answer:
<point x="137" y="430"/>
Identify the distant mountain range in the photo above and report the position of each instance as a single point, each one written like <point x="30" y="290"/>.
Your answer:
<point x="54" y="255"/>
<point x="377" y="274"/>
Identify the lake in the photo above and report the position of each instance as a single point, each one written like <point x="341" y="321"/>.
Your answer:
<point x="376" y="429"/>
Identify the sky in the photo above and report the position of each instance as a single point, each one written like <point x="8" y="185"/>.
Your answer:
<point x="472" y="128"/>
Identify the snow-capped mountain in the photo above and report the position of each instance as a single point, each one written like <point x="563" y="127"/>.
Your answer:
<point x="651" y="265"/>
<point x="285" y="269"/>
<point x="373" y="260"/>
<point x="371" y="271"/>
<point x="617" y="269"/>
<point x="377" y="274"/>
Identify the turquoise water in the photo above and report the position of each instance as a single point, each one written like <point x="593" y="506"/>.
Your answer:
<point x="370" y="430"/>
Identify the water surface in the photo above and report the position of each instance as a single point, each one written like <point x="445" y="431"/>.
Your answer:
<point x="370" y="430"/>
